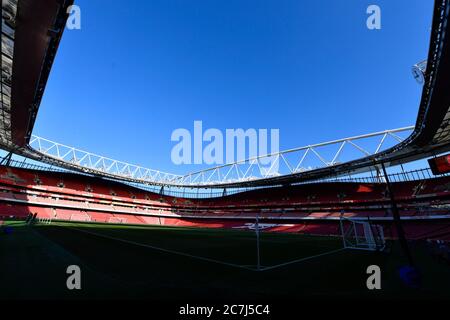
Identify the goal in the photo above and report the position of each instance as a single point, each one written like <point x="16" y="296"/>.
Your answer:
<point x="117" y="220"/>
<point x="362" y="235"/>
<point x="80" y="217"/>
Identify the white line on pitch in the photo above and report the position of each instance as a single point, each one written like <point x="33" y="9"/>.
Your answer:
<point x="302" y="259"/>
<point x="166" y="250"/>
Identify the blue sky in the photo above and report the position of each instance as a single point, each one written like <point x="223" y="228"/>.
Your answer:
<point x="137" y="70"/>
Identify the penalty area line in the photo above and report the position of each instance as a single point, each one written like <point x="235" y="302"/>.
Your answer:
<point x="165" y="250"/>
<point x="302" y="259"/>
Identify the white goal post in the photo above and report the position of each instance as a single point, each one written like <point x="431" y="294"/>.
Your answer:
<point x="80" y="217"/>
<point x="362" y="235"/>
<point x="117" y="220"/>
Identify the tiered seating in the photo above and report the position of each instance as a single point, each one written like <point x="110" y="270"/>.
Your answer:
<point x="68" y="196"/>
<point x="8" y="210"/>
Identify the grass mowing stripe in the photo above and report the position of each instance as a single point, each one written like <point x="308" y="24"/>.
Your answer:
<point x="165" y="250"/>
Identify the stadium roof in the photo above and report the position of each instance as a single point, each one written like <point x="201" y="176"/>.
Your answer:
<point x="37" y="27"/>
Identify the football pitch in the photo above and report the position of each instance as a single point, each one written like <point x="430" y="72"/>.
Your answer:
<point x="172" y="263"/>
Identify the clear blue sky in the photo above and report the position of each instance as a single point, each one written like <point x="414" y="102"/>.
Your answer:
<point x="137" y="70"/>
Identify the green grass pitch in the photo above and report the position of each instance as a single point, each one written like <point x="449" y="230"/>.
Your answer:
<point x="168" y="263"/>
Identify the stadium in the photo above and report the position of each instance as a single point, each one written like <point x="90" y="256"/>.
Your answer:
<point x="233" y="231"/>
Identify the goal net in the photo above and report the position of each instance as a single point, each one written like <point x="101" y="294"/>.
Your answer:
<point x="117" y="220"/>
<point x="80" y="217"/>
<point x="362" y="235"/>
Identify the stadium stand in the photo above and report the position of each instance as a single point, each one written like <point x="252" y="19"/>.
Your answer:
<point x="308" y="208"/>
